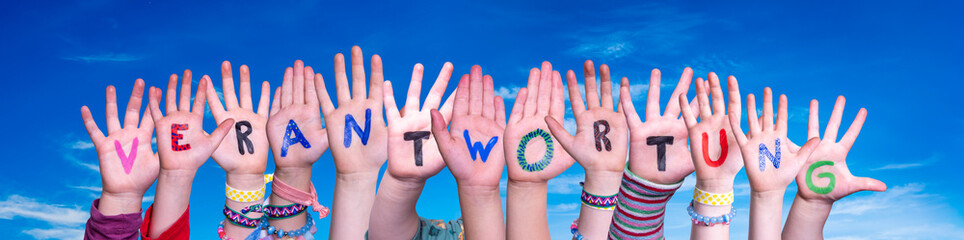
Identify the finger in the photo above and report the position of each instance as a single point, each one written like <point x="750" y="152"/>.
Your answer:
<point x="852" y="133"/>
<point x="737" y="130"/>
<point x="682" y="87"/>
<point x="358" y="90"/>
<point x="734" y="90"/>
<point x="96" y="136"/>
<point x="438" y="88"/>
<point x="264" y="102"/>
<point x="185" y="104"/>
<point x="688" y="116"/>
<point x="414" y="89"/>
<point x="218" y="134"/>
<point x="500" y="111"/>
<point x="627" y="104"/>
<point x="518" y="106"/>
<point x="440" y="131"/>
<point x="808" y="148"/>
<point x="558" y="101"/>
<point x="378" y="77"/>
<point x="216" y="108"/>
<point x="592" y="94"/>
<point x="321" y="91"/>
<point x="462" y="97"/>
<point x="703" y="99"/>
<point x="606" y="87"/>
<point x="311" y="96"/>
<point x="652" y="96"/>
<point x="446" y="108"/>
<point x="276" y="103"/>
<point x="834" y="124"/>
<point x="767" y="110"/>
<point x="287" y="88"/>
<point x="298" y="83"/>
<point x="134" y="105"/>
<point x="171" y="104"/>
<point x="813" y="122"/>
<point x="154" y="99"/>
<point x="227" y="86"/>
<point x="870" y="184"/>
<point x="475" y="91"/>
<point x="246" y="88"/>
<point x="575" y="98"/>
<point x="752" y="120"/>
<point x="200" y="98"/>
<point x="147" y="121"/>
<point x="716" y="90"/>
<point x="782" y="114"/>
<point x="545" y="90"/>
<point x="530" y="102"/>
<point x="488" y="98"/>
<point x="113" y="123"/>
<point x="558" y="131"/>
<point x="341" y="80"/>
<point x="391" y="110"/>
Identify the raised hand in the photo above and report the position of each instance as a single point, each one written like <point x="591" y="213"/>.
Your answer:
<point x="600" y="144"/>
<point x="243" y="151"/>
<point x="771" y="162"/>
<point x="413" y="154"/>
<point x="295" y="130"/>
<point x="472" y="150"/>
<point x="128" y="165"/>
<point x="659" y="153"/>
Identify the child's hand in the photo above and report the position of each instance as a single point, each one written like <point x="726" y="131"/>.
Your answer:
<point x="182" y="144"/>
<point x="295" y="133"/>
<point x="660" y="153"/>
<point x="480" y="115"/>
<point x="356" y="128"/>
<point x="128" y="165"/>
<point x="772" y="160"/>
<point x="714" y="150"/>
<point x="244" y="149"/>
<point x="528" y="116"/>
<point x="412" y="151"/>
<point x="825" y="177"/>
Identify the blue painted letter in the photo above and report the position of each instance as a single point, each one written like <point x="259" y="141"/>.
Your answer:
<point x="477" y="146"/>
<point x="350" y="124"/>
<point x="765" y="154"/>
<point x="298" y="138"/>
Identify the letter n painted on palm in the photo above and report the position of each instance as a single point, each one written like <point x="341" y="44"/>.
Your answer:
<point x="350" y="124"/>
<point x="765" y="154"/>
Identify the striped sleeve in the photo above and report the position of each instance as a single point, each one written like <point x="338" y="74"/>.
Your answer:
<point x="640" y="207"/>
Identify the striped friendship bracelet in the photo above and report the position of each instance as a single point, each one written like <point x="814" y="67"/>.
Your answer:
<point x="640" y="207"/>
<point x="598" y="202"/>
<point x="239" y="219"/>
<point x="282" y="212"/>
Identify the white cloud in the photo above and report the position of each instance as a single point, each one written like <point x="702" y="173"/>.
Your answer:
<point x="565" y="184"/>
<point x="81" y="145"/>
<point x="894" y="166"/>
<point x="55" y="214"/>
<point x="105" y="57"/>
<point x="902" y="212"/>
<point x="56" y="233"/>
<point x="89" y="188"/>
<point x="571" y="208"/>
<point x="147" y="199"/>
<point x="507" y="92"/>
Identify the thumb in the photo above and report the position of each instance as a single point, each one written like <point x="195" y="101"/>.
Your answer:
<point x="218" y="134"/>
<point x="560" y="133"/>
<point x="870" y="184"/>
<point x="440" y="130"/>
<point x="808" y="148"/>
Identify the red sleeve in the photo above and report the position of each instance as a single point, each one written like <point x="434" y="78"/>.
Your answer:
<point x="180" y="230"/>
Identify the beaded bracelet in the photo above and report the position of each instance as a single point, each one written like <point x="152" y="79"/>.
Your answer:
<point x="223" y="236"/>
<point x="282" y="212"/>
<point x="574" y="228"/>
<point x="597" y="201"/>
<point x="309" y="227"/>
<point x="710" y="221"/>
<point x="239" y="219"/>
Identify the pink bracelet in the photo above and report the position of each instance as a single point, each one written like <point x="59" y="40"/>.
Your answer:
<point x="297" y="196"/>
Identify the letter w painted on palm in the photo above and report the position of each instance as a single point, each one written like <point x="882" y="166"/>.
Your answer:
<point x="477" y="146"/>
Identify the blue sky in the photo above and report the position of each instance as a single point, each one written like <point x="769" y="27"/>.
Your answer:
<point x="898" y="60"/>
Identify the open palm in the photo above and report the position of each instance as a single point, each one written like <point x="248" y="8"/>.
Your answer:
<point x="295" y="130"/>
<point x="714" y="150"/>
<point x="247" y="154"/>
<point x="528" y="115"/>
<point x="411" y="128"/>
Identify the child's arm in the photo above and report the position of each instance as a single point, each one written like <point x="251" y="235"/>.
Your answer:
<point x="772" y="161"/>
<point x="359" y="140"/>
<point x="182" y="146"/>
<point x="478" y="122"/>
<point x="604" y="127"/>
<point x="825" y="177"/>
<point x="413" y="157"/>
<point x="243" y="153"/>
<point x="526" y="189"/>
<point x="128" y="167"/>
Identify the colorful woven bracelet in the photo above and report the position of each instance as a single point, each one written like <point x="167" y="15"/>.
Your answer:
<point x="597" y="201"/>
<point x="574" y="228"/>
<point x="710" y="221"/>
<point x="239" y="219"/>
<point x="308" y="228"/>
<point x="712" y="199"/>
<point x="282" y="212"/>
<point x="255" y="235"/>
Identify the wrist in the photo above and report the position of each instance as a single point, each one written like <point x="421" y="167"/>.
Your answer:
<point x="768" y="195"/>
<point x="602" y="182"/>
<point x="176" y="176"/>
<point x="120" y="203"/>
<point x="246" y="181"/>
<point x="715" y="185"/>
<point x="478" y="191"/>
<point x="526" y="186"/>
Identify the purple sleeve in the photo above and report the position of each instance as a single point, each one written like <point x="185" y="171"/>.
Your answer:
<point x="123" y="226"/>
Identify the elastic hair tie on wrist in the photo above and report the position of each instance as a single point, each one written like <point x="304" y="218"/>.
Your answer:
<point x="292" y="194"/>
<point x="712" y="199"/>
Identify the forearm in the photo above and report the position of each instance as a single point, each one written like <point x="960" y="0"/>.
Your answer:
<point x="766" y="211"/>
<point x="352" y="204"/>
<point x="481" y="212"/>
<point x="171" y="200"/>
<point x="393" y="213"/>
<point x="806" y="219"/>
<point x="248" y="182"/>
<point x="640" y="208"/>
<point x="594" y="223"/>
<point x="526" y="210"/>
<point x="717" y="231"/>
<point x="120" y="203"/>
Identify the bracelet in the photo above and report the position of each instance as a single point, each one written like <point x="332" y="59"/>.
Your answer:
<point x="597" y="201"/>
<point x="247" y="196"/>
<point x="712" y="199"/>
<point x="292" y="194"/>
<point x="574" y="228"/>
<point x="308" y="228"/>
<point x="710" y="221"/>
<point x="239" y="219"/>
<point x="282" y="212"/>
<point x="223" y="236"/>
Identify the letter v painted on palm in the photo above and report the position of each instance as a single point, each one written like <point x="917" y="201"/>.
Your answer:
<point x="127" y="160"/>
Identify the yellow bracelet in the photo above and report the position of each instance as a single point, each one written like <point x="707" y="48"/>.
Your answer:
<point x="712" y="199"/>
<point x="247" y="196"/>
